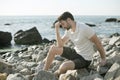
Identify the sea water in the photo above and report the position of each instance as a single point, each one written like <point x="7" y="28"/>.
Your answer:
<point x="44" y="24"/>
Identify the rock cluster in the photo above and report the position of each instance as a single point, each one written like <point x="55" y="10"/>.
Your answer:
<point x="23" y="63"/>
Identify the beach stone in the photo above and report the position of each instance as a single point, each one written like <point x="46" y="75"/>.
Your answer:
<point x="5" y="67"/>
<point x="16" y="76"/>
<point x="40" y="66"/>
<point x="29" y="64"/>
<point x="3" y="76"/>
<point x="25" y="71"/>
<point x="112" y="71"/>
<point x="93" y="77"/>
<point x="117" y="75"/>
<point x="44" y="75"/>
<point x="5" y="38"/>
<point x="113" y="40"/>
<point x="30" y="36"/>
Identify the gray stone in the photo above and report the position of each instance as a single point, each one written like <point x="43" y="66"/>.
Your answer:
<point x="113" y="40"/>
<point x="117" y="75"/>
<point x="16" y="76"/>
<point x="5" y="38"/>
<point x="44" y="75"/>
<point x="111" y="72"/>
<point x="92" y="77"/>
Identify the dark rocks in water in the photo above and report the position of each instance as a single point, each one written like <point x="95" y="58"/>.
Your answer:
<point x="118" y="20"/>
<point x="111" y="20"/>
<point x="91" y="25"/>
<point x="115" y="34"/>
<point x="28" y="37"/>
<point x="5" y="38"/>
<point x="7" y="24"/>
<point x="45" y="40"/>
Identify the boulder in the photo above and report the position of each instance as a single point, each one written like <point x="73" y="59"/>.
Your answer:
<point x="28" y="37"/>
<point x="115" y="34"/>
<point x="112" y="72"/>
<point x="111" y="20"/>
<point x="5" y="67"/>
<point x="5" y="38"/>
<point x="16" y="76"/>
<point x="44" y="75"/>
<point x="3" y="76"/>
<point x="93" y="77"/>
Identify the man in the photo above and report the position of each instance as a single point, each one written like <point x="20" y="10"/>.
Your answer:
<point x="83" y="38"/>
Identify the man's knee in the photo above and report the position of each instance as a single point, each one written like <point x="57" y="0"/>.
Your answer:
<point x="55" y="50"/>
<point x="68" y="65"/>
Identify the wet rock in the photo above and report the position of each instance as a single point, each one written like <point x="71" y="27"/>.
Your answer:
<point x="7" y="24"/>
<point x="30" y="36"/>
<point x="111" y="20"/>
<point x="5" y="38"/>
<point x="25" y="72"/>
<point x="45" y="40"/>
<point x="115" y="34"/>
<point x="90" y="24"/>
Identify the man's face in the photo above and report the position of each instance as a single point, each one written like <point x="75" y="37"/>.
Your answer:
<point x="65" y="24"/>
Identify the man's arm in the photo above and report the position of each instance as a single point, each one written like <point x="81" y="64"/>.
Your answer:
<point x="60" y="41"/>
<point x="100" y="49"/>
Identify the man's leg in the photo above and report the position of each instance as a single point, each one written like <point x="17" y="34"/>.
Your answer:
<point x="54" y="50"/>
<point x="68" y="65"/>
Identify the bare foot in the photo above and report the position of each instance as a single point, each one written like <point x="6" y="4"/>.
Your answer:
<point x="57" y="73"/>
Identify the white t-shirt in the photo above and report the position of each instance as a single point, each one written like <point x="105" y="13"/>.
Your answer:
<point x="80" y="38"/>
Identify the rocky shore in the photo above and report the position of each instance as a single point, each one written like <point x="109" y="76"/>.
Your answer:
<point x="21" y="64"/>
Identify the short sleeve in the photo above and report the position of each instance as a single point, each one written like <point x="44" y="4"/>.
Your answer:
<point x="88" y="31"/>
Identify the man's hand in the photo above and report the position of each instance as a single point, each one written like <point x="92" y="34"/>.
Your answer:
<point x="57" y="25"/>
<point x="102" y="62"/>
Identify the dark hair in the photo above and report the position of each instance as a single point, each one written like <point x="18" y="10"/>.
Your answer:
<point x="65" y="15"/>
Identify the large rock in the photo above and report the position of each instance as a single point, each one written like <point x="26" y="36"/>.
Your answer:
<point x="5" y="38"/>
<point x="44" y="75"/>
<point x="111" y="20"/>
<point x="16" y="76"/>
<point x="3" y="76"/>
<point x="5" y="67"/>
<point x="30" y="36"/>
<point x="93" y="77"/>
<point x="112" y="72"/>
